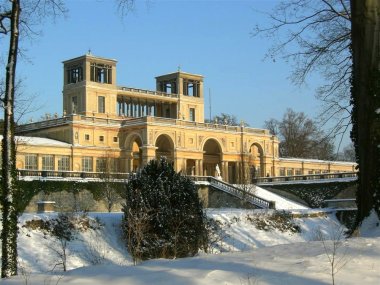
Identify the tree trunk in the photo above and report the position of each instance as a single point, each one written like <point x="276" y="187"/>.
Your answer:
<point x="365" y="99"/>
<point x="9" y="232"/>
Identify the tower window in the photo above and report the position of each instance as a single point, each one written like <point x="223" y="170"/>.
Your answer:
<point x="191" y="88"/>
<point x="101" y="104"/>
<point x="87" y="137"/>
<point x="101" y="73"/>
<point x="74" y="74"/>
<point x="192" y="114"/>
<point x="115" y="139"/>
<point x="74" y="104"/>
<point x="101" y="138"/>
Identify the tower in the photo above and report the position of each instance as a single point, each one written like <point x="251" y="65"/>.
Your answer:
<point x="189" y="88"/>
<point x="89" y="86"/>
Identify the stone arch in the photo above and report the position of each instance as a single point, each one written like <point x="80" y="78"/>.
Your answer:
<point x="164" y="147"/>
<point x="133" y="144"/>
<point x="256" y="160"/>
<point x="212" y="156"/>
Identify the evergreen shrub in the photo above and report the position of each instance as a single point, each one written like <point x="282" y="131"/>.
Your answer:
<point x="163" y="217"/>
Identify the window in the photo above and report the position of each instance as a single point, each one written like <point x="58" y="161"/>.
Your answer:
<point x="192" y="114"/>
<point x="74" y="74"/>
<point x="191" y="88"/>
<point x="31" y="161"/>
<point x="114" y="165"/>
<point x="74" y="104"/>
<point x="87" y="164"/>
<point x="101" y="164"/>
<point x="289" y="172"/>
<point x="282" y="171"/>
<point x="101" y="138"/>
<point x="115" y="139"/>
<point x="101" y="104"/>
<point x="63" y="163"/>
<point x="298" y="171"/>
<point x="47" y="162"/>
<point x="101" y="73"/>
<point x="87" y="137"/>
<point x="310" y="172"/>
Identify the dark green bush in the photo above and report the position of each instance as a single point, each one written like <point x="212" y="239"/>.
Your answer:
<point x="163" y="216"/>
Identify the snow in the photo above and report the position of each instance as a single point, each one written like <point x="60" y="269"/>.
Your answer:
<point x="316" y="161"/>
<point x="39" y="141"/>
<point x="246" y="255"/>
<point x="281" y="202"/>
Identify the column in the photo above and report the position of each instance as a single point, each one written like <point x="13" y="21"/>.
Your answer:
<point x="201" y="167"/>
<point x="225" y="171"/>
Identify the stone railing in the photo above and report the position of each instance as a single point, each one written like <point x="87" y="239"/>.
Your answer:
<point x="322" y="176"/>
<point x="70" y="175"/>
<point x="234" y="191"/>
<point x="43" y="124"/>
<point x="149" y="92"/>
<point x="349" y="204"/>
<point x="136" y="121"/>
<point x="208" y="126"/>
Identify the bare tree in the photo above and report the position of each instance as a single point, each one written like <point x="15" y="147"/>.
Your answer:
<point x="9" y="213"/>
<point x="348" y="153"/>
<point x="108" y="165"/>
<point x="14" y="23"/>
<point x="315" y="35"/>
<point x="335" y="250"/>
<point x="300" y="136"/>
<point x="226" y="119"/>
<point x="63" y="231"/>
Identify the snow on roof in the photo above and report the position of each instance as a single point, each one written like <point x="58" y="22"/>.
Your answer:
<point x="315" y="160"/>
<point x="39" y="141"/>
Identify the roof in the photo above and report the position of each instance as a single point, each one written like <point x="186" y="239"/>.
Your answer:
<point x="39" y="141"/>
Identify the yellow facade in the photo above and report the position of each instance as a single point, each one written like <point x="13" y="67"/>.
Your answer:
<point x="130" y="126"/>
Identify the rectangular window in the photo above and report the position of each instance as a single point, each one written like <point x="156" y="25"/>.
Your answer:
<point x="101" y="164"/>
<point x="87" y="137"/>
<point x="101" y="104"/>
<point x="114" y="165"/>
<point x="31" y="161"/>
<point x="47" y="162"/>
<point x="115" y="139"/>
<point x="74" y="104"/>
<point x="192" y="114"/>
<point x="298" y="171"/>
<point x="101" y="73"/>
<point x="282" y="171"/>
<point x="87" y="164"/>
<point x="289" y="172"/>
<point x="101" y="138"/>
<point x="74" y="74"/>
<point x="63" y="163"/>
<point x="310" y="172"/>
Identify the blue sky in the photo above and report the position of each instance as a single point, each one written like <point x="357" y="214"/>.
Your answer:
<point x="211" y="38"/>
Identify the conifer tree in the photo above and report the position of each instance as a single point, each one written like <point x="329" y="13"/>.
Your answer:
<point x="163" y="216"/>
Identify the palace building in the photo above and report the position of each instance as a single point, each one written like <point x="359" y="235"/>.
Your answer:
<point x="106" y="125"/>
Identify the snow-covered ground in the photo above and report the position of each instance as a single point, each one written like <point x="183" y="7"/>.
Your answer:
<point x="282" y="203"/>
<point x="243" y="254"/>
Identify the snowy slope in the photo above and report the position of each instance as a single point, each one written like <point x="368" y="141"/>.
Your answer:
<point x="282" y="203"/>
<point x="249" y="256"/>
